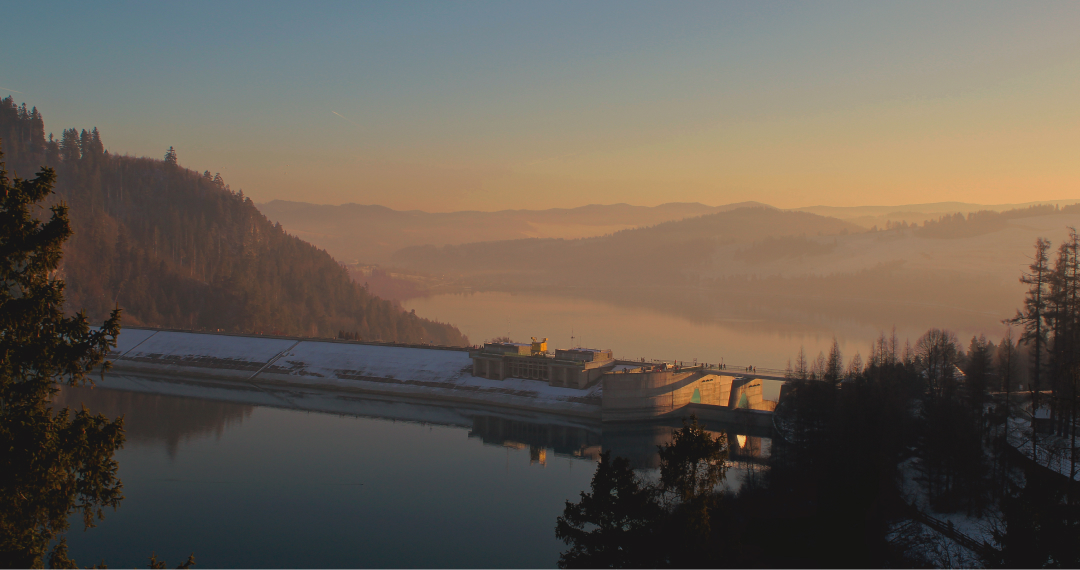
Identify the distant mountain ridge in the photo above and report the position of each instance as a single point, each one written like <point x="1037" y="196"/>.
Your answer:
<point x="796" y="259"/>
<point x="662" y="253"/>
<point x="371" y="233"/>
<point x="881" y="216"/>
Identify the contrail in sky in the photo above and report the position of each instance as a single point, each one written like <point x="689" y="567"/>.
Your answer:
<point x="12" y="90"/>
<point x="347" y="119"/>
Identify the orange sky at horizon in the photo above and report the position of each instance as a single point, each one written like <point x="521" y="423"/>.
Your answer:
<point x="492" y="106"/>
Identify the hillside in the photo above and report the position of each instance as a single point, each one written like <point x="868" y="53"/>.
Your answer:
<point x="992" y="247"/>
<point x="371" y="234"/>
<point x="784" y="260"/>
<point x="885" y="216"/>
<point x="662" y="254"/>
<point x="176" y="248"/>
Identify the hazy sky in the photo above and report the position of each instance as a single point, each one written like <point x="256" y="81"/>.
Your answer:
<point x="468" y="105"/>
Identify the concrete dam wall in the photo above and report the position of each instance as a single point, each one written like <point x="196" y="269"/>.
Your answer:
<point x="431" y="373"/>
<point x="417" y="372"/>
<point x="704" y="392"/>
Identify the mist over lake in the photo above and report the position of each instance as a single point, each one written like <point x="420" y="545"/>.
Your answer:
<point x="681" y="324"/>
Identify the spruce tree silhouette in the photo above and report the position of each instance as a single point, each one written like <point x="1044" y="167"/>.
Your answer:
<point x="54" y="463"/>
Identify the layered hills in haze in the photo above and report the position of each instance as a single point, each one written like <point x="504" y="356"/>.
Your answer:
<point x="176" y="248"/>
<point x="885" y="216"/>
<point x="663" y="253"/>
<point x="852" y="261"/>
<point x="372" y="234"/>
<point x="801" y="260"/>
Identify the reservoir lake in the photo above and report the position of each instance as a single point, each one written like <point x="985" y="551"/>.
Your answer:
<point x="247" y="483"/>
<point x="687" y="324"/>
<point x="251" y="485"/>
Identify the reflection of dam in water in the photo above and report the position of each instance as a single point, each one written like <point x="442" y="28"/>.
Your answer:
<point x="562" y="440"/>
<point x="170" y="411"/>
<point x="639" y="442"/>
<point x="636" y="442"/>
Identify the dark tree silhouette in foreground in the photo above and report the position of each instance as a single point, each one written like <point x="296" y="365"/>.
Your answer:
<point x="625" y="522"/>
<point x="1032" y="318"/>
<point x="612" y="526"/>
<point x="53" y="464"/>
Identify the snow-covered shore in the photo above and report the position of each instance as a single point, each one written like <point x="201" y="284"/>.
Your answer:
<point x="423" y="373"/>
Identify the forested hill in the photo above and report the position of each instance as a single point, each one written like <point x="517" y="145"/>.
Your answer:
<point x="662" y="254"/>
<point x="176" y="248"/>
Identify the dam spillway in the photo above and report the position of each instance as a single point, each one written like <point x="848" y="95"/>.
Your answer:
<point x="655" y="393"/>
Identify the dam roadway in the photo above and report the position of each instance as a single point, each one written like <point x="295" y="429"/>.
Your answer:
<point x="275" y="364"/>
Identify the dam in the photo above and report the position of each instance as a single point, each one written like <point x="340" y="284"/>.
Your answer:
<point x="581" y="383"/>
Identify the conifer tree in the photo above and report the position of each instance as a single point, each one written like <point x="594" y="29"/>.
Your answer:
<point x="1006" y="364"/>
<point x="613" y="525"/>
<point x="802" y="369"/>
<point x="834" y="367"/>
<point x="180" y="250"/>
<point x="53" y="464"/>
<point x="1033" y="320"/>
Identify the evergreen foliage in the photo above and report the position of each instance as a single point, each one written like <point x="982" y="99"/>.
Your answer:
<point x="613" y="524"/>
<point x="1033" y="320"/>
<point x="627" y="522"/>
<point x="831" y="495"/>
<point x="52" y="463"/>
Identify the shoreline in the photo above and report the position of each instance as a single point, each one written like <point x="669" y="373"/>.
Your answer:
<point x="270" y="386"/>
<point x="314" y="400"/>
<point x="282" y="366"/>
<point x="421" y="373"/>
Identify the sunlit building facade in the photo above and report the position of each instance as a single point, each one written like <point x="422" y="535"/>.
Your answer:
<point x="572" y="368"/>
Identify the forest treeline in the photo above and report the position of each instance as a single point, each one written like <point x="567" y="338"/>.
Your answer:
<point x="176" y="248"/>
<point x="872" y="460"/>
<point x="869" y="459"/>
<point x="982" y="222"/>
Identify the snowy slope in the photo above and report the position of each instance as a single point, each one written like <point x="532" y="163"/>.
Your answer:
<point x="129" y="339"/>
<point x="341" y="360"/>
<point x="411" y="372"/>
<point x="214" y="355"/>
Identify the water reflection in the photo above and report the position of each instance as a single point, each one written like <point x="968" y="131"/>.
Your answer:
<point x="154" y="415"/>
<point x="638" y="442"/>
<point x="156" y="418"/>
<point x="562" y="440"/>
<point x="373" y="483"/>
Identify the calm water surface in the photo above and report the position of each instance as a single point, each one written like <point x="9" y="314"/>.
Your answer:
<point x="248" y="486"/>
<point x="245" y="485"/>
